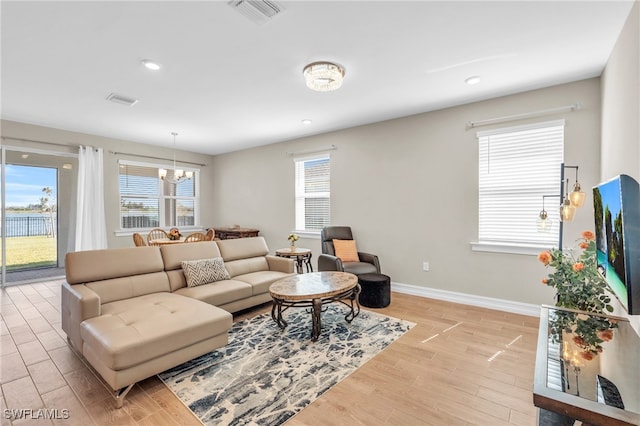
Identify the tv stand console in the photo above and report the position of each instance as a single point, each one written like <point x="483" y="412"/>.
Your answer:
<point x="602" y="391"/>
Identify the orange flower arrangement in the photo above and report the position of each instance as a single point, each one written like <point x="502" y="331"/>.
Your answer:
<point x="545" y="257"/>
<point x="580" y="286"/>
<point x="174" y="234"/>
<point x="576" y="279"/>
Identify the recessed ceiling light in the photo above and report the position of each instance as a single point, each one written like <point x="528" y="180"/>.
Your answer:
<point x="152" y="65"/>
<point x="25" y="155"/>
<point x="306" y="121"/>
<point x="474" y="79"/>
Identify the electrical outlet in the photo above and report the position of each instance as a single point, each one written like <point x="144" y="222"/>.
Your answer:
<point x="425" y="266"/>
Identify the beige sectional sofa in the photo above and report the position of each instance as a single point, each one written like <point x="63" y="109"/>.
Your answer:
<point x="130" y="313"/>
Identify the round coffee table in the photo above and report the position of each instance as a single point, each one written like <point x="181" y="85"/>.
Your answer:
<point x="314" y="290"/>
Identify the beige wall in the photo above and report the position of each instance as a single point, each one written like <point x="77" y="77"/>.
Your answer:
<point x="620" y="150"/>
<point x="71" y="140"/>
<point x="408" y="188"/>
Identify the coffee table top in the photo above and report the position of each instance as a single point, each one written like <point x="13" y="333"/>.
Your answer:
<point x="313" y="285"/>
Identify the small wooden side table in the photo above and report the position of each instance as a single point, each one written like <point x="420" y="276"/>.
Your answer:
<point x="300" y="255"/>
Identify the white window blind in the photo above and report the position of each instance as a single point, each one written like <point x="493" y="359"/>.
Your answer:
<point x="517" y="166"/>
<point x="146" y="201"/>
<point x="312" y="192"/>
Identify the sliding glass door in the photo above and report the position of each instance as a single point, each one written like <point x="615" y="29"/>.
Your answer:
<point x="37" y="187"/>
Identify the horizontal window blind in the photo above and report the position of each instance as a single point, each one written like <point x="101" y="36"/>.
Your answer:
<point x="312" y="193"/>
<point x="146" y="201"/>
<point x="517" y="166"/>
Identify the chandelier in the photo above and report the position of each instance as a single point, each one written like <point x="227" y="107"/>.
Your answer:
<point x="178" y="175"/>
<point x="323" y="76"/>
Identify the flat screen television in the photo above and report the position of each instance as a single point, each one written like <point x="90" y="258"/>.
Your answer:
<point x="617" y="225"/>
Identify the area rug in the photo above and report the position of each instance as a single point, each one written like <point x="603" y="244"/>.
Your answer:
<point x="265" y="375"/>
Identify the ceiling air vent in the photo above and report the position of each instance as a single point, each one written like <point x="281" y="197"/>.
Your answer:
<point x="119" y="99"/>
<point x="258" y="11"/>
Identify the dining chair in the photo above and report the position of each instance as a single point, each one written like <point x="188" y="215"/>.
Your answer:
<point x="196" y="236"/>
<point x="138" y="240"/>
<point x="210" y="234"/>
<point x="156" y="234"/>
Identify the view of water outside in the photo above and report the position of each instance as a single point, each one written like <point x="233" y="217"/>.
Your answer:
<point x="30" y="223"/>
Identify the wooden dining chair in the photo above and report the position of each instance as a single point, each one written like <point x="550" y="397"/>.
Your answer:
<point x="210" y="234"/>
<point x="155" y="234"/>
<point x="196" y="236"/>
<point x="138" y="240"/>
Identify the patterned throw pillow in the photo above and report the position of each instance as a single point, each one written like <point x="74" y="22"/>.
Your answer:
<point x="204" y="271"/>
<point x="346" y="250"/>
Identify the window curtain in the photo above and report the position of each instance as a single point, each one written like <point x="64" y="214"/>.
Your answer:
<point x="91" y="226"/>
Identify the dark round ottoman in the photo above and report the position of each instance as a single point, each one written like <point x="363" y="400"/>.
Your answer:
<point x="375" y="290"/>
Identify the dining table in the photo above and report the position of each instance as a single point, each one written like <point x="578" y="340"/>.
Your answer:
<point x="163" y="241"/>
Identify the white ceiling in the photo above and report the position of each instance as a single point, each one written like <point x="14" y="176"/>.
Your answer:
<point x="227" y="83"/>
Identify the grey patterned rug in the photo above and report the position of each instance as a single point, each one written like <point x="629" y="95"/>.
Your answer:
<point x="265" y="375"/>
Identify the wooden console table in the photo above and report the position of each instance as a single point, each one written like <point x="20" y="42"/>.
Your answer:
<point x="569" y="387"/>
<point x="223" y="233"/>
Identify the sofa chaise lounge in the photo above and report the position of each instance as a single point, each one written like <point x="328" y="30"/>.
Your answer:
<point x="131" y="314"/>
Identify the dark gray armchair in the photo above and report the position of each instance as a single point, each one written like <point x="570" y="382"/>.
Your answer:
<point x="328" y="261"/>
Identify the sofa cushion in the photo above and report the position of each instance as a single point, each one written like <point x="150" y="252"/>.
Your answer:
<point x="174" y="254"/>
<point x="260" y="281"/>
<point x="358" y="268"/>
<point x="127" y="287"/>
<point x="116" y="274"/>
<point x="220" y="293"/>
<point x="204" y="271"/>
<point x="242" y="248"/>
<point x="246" y="266"/>
<point x="97" y="265"/>
<point x="132" y="331"/>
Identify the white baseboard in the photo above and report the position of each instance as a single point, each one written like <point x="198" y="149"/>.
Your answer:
<point x="468" y="299"/>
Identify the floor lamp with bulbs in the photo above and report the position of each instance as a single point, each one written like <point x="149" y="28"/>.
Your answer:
<point x="568" y="205"/>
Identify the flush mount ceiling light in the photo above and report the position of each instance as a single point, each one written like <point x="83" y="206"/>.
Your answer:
<point x="150" y="64"/>
<point x="323" y="76"/>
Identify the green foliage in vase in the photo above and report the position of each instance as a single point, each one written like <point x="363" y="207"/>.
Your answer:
<point x="579" y="286"/>
<point x="577" y="282"/>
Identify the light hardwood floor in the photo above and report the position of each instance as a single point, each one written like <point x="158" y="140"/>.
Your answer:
<point x="460" y="365"/>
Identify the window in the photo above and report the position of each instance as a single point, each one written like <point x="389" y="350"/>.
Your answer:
<point x="146" y="201"/>
<point x="313" y="199"/>
<point x="517" y="166"/>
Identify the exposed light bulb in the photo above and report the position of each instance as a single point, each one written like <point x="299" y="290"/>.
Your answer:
<point x="577" y="197"/>
<point x="567" y="211"/>
<point x="543" y="222"/>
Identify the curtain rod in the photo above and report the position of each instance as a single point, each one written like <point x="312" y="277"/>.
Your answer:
<point x="566" y="108"/>
<point x="311" y="151"/>
<point x="157" y="158"/>
<point x="35" y="141"/>
<point x="112" y="152"/>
